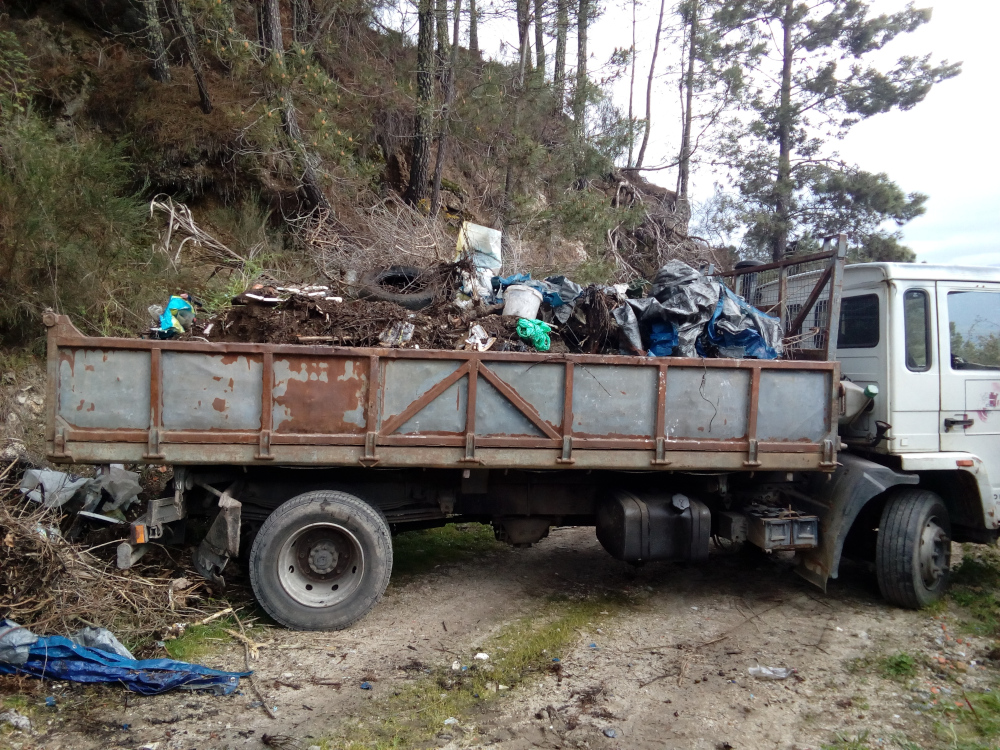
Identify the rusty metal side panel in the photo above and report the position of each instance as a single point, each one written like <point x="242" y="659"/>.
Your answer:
<point x="541" y="385"/>
<point x="707" y="404"/>
<point x="405" y="381"/>
<point x="614" y="400"/>
<point x="103" y="389"/>
<point x="211" y="391"/>
<point x="319" y="395"/>
<point x="794" y="406"/>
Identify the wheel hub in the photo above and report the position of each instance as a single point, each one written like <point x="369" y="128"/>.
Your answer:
<point x="323" y="558"/>
<point x="935" y="553"/>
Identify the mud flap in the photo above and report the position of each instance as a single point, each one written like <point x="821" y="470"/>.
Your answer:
<point x="222" y="542"/>
<point x="837" y="499"/>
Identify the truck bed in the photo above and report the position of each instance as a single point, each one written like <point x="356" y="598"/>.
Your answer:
<point x="192" y="402"/>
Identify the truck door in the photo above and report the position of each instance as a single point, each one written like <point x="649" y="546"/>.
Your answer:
<point x="969" y="342"/>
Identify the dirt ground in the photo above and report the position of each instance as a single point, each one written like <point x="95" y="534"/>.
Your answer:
<point x="668" y="669"/>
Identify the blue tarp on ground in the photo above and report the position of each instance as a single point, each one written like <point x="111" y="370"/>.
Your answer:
<point x="58" y="658"/>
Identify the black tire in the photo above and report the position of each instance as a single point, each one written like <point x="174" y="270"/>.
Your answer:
<point x="381" y="285"/>
<point x="321" y="561"/>
<point x="740" y="265"/>
<point x="913" y="550"/>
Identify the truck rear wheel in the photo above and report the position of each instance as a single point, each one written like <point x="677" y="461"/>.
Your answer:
<point x="321" y="561"/>
<point x="913" y="551"/>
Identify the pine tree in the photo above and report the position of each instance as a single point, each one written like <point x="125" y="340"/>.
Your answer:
<point x="824" y="83"/>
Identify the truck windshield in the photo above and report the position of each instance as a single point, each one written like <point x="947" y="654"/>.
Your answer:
<point x="858" y="322"/>
<point x="974" y="324"/>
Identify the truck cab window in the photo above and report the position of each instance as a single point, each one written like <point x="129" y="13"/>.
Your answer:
<point x="859" y="322"/>
<point x="917" y="328"/>
<point x="974" y="325"/>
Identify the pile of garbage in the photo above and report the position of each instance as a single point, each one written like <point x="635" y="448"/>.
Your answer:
<point x="468" y="305"/>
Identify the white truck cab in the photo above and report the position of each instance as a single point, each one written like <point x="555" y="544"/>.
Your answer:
<point x="928" y="337"/>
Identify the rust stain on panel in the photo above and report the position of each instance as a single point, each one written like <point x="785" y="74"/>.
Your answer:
<point x="320" y="396"/>
<point x="219" y="404"/>
<point x="88" y="368"/>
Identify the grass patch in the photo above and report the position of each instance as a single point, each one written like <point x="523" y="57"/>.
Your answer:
<point x="199" y="641"/>
<point x="974" y="588"/>
<point x="898" y="666"/>
<point x="415" y="552"/>
<point x="965" y="728"/>
<point x="523" y="649"/>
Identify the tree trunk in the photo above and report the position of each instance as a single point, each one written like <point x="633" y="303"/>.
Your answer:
<point x="631" y="93"/>
<point x="540" y="37"/>
<point x="473" y="29"/>
<point x="154" y="40"/>
<point x="301" y="21"/>
<point x="559" y="72"/>
<point x="420" y="160"/>
<point x="649" y="90"/>
<point x="580" y="95"/>
<point x="271" y="39"/>
<point x="684" y="162"/>
<point x="523" y="24"/>
<point x="784" y="187"/>
<point x="449" y="97"/>
<point x="441" y="27"/>
<point x="182" y="19"/>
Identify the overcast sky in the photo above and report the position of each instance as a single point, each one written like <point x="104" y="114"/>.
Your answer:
<point x="947" y="147"/>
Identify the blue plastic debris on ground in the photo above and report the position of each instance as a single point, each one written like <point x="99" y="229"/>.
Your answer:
<point x="59" y="658"/>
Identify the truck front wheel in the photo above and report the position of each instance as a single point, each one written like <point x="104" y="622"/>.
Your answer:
<point x="321" y="561"/>
<point x="913" y="553"/>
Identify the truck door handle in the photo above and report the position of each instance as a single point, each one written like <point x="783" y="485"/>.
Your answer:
<point x="949" y="423"/>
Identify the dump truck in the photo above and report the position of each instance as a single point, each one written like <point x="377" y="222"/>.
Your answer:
<point x="877" y="439"/>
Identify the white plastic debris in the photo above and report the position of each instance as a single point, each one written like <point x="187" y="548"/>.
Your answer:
<point x="456" y="666"/>
<point x="397" y="334"/>
<point x="481" y="656"/>
<point x="478" y="340"/>
<point x="16" y="720"/>
<point x="771" y="673"/>
<point x="451" y="720"/>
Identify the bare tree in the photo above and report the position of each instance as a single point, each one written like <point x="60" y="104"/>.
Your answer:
<point x="580" y="95"/>
<point x="523" y="24"/>
<point x="687" y="84"/>
<point x="449" y="97"/>
<point x="649" y="89"/>
<point x="179" y="12"/>
<point x="631" y="93"/>
<point x="441" y="27"/>
<point x="559" y="73"/>
<point x="420" y="160"/>
<point x="540" y="36"/>
<point x="473" y="28"/>
<point x="271" y="39"/>
<point x="154" y="39"/>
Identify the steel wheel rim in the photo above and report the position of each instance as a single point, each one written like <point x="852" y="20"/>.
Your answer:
<point x="934" y="553"/>
<point x="321" y="565"/>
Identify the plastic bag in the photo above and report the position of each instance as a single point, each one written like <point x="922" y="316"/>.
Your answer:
<point x="771" y="673"/>
<point x="178" y="316"/>
<point x="536" y="332"/>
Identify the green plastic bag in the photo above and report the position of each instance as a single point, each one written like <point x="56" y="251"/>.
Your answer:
<point x="536" y="332"/>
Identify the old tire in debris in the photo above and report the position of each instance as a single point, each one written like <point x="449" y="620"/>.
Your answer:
<point x="913" y="551"/>
<point x="401" y="285"/>
<point x="321" y="561"/>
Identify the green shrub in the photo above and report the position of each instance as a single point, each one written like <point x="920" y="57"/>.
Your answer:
<point x="75" y="235"/>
